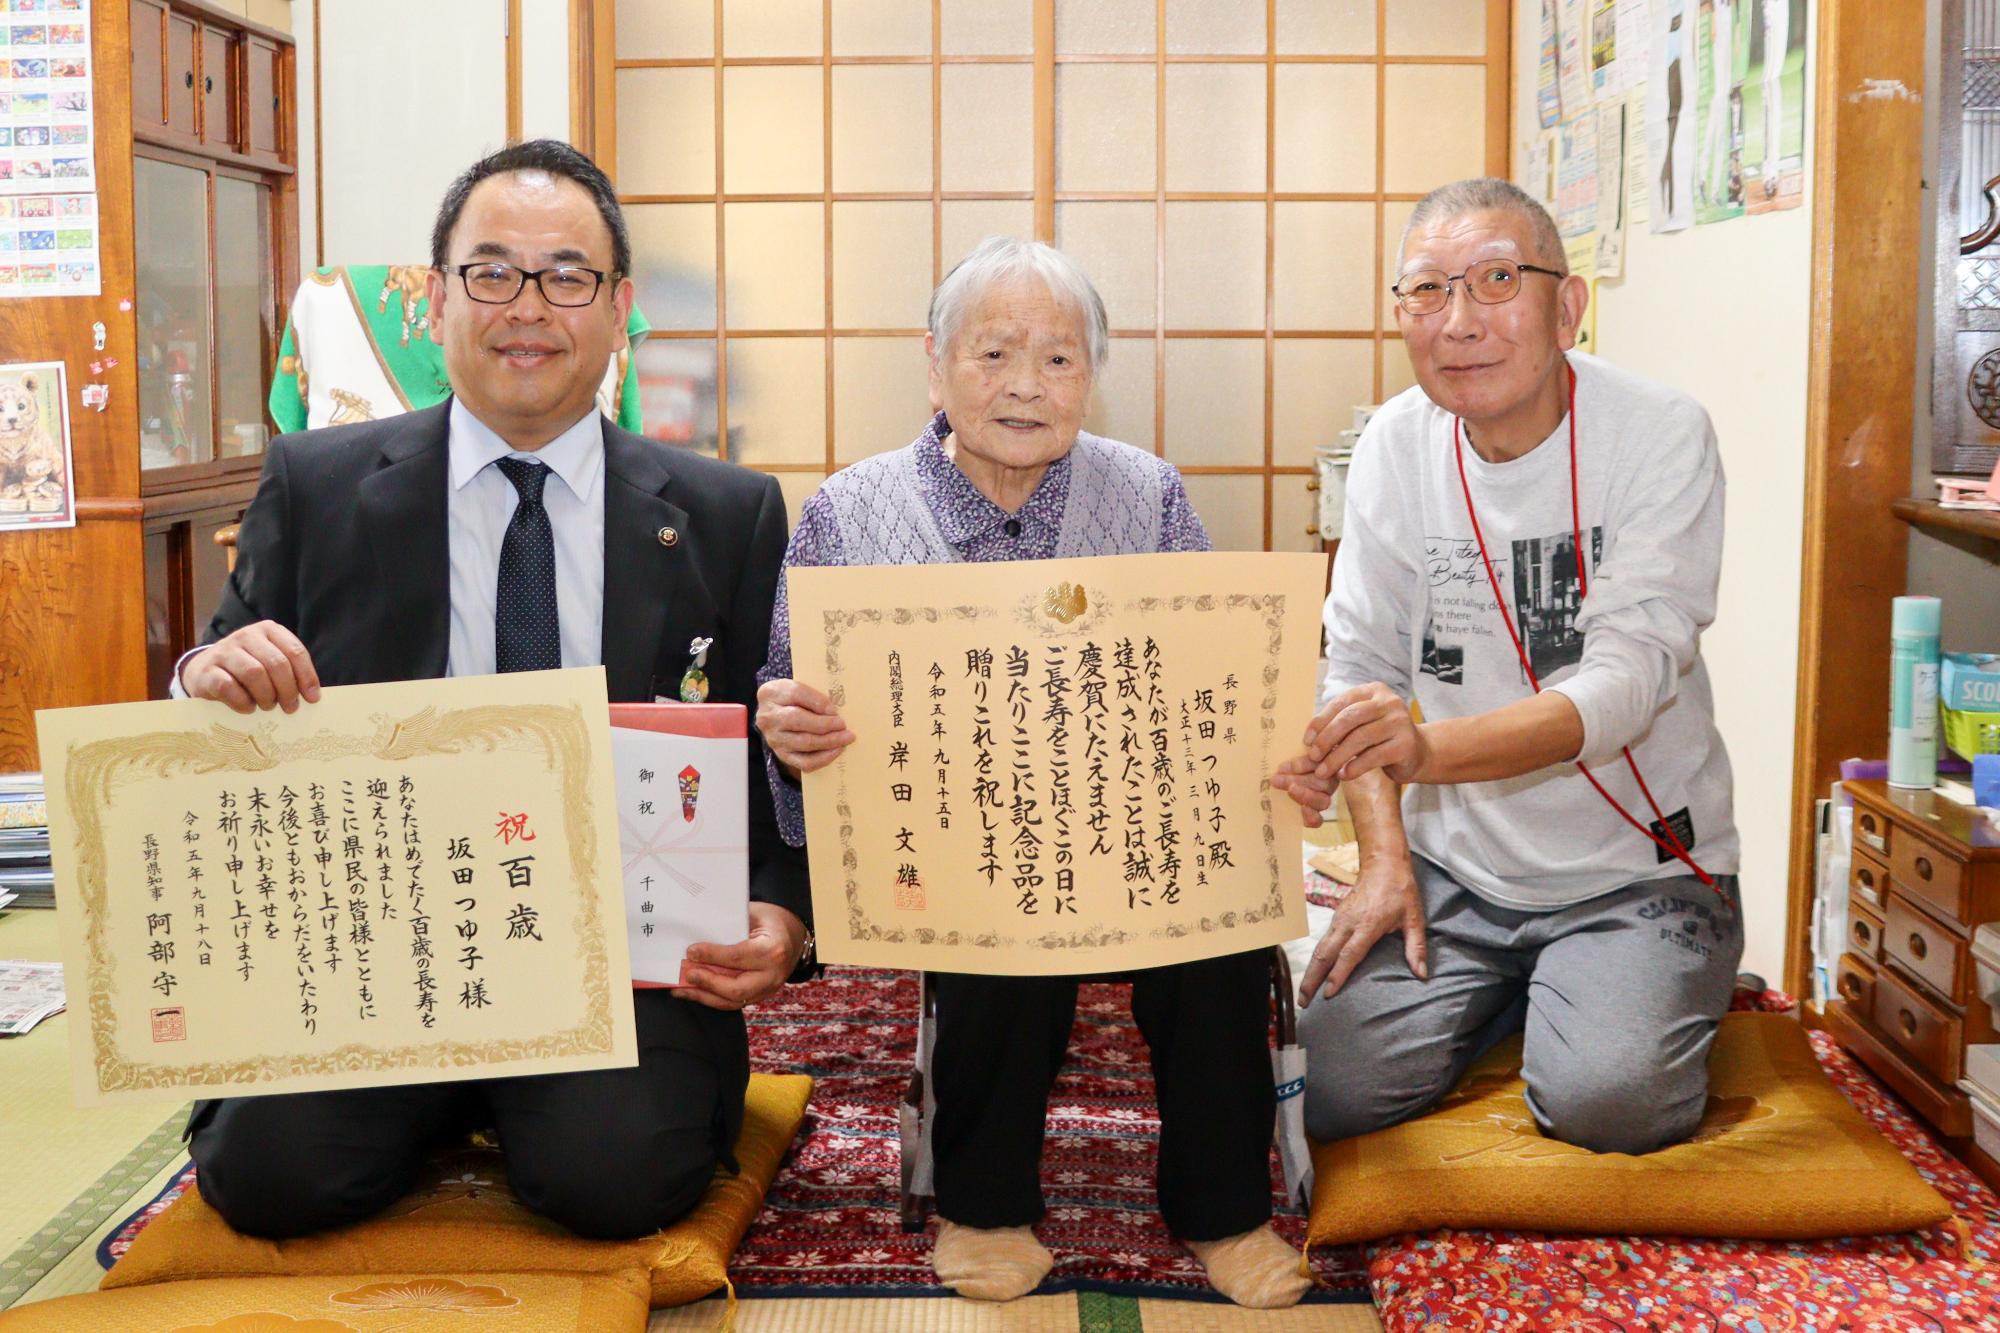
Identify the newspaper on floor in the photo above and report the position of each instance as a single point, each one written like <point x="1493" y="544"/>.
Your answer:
<point x="29" y="993"/>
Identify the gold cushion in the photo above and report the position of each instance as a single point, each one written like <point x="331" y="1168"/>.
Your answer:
<point x="462" y="1219"/>
<point x="338" y="1303"/>
<point x="1780" y="1155"/>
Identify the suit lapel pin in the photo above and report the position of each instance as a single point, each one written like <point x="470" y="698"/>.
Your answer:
<point x="694" y="681"/>
<point x="668" y="537"/>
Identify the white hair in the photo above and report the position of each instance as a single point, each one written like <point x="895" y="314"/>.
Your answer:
<point x="1003" y="259"/>
<point x="1483" y="194"/>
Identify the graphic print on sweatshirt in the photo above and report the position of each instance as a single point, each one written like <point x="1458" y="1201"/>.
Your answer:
<point x="1544" y="595"/>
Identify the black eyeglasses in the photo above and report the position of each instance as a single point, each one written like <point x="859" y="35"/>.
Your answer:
<point x="1489" y="282"/>
<point x="498" y="284"/>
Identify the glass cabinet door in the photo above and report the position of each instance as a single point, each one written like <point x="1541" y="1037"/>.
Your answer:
<point x="176" y="418"/>
<point x="245" y="309"/>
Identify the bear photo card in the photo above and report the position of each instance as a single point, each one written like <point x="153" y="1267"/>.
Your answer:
<point x="37" y="484"/>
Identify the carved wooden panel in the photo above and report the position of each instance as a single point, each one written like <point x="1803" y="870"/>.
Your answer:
<point x="1965" y="393"/>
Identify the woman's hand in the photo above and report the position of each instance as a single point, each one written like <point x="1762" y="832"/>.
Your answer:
<point x="799" y="726"/>
<point x="1299" y="777"/>
<point x="1385" y="901"/>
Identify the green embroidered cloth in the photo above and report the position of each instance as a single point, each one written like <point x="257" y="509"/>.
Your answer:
<point x="358" y="347"/>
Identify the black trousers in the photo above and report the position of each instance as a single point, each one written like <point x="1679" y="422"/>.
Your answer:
<point x="610" y="1153"/>
<point x="1000" y="1043"/>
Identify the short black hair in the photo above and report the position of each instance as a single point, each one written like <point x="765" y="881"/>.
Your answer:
<point x="557" y="159"/>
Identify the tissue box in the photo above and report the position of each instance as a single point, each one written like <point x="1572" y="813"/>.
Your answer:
<point x="1986" y="959"/>
<point x="1970" y="682"/>
<point x="1982" y="1070"/>
<point x="1985" y="1119"/>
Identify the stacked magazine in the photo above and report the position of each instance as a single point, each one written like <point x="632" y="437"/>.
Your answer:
<point x="26" y="877"/>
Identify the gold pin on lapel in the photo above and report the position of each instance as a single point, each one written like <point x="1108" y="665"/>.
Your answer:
<point x="668" y="537"/>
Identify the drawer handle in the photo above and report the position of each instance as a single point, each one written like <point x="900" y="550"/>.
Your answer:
<point x="208" y="84"/>
<point x="1917" y="946"/>
<point x="190" y="78"/>
<point x="1850" y="986"/>
<point x="1866" y="878"/>
<point x="1924" y="868"/>
<point x="1908" y="1022"/>
<point x="1863" y="931"/>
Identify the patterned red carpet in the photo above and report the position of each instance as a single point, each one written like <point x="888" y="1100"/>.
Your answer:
<point x="830" y="1222"/>
<point x="1461" y="1280"/>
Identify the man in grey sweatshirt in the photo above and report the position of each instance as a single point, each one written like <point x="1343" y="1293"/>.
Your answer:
<point x="1530" y="554"/>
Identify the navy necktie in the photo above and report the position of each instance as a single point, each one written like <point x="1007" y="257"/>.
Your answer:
<point x="526" y="633"/>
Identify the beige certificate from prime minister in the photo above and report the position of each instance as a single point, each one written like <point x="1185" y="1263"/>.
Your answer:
<point x="1059" y="766"/>
<point x="397" y="884"/>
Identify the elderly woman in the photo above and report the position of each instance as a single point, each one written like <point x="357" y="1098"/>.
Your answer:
<point x="1002" y="472"/>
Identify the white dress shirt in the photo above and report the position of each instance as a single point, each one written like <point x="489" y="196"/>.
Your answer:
<point x="479" y="506"/>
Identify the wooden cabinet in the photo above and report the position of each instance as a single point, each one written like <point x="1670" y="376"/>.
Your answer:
<point x="1856" y="984"/>
<point x="183" y="42"/>
<point x="1864" y="932"/>
<point x="1965" y="398"/>
<point x="209" y="80"/>
<point x="218" y="80"/>
<point x="264" y="80"/>
<point x="186" y="567"/>
<point x="1926" y="875"/>
<point x="1928" y="950"/>
<point x="216" y="257"/>
<point x="149" y="64"/>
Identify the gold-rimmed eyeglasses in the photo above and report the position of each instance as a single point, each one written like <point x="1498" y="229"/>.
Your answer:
<point x="1489" y="282"/>
<point x="495" y="283"/>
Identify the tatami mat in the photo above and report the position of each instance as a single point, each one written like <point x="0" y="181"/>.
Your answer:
<point x="1190" y="1317"/>
<point x="916" y="1314"/>
<point x="68" y="1171"/>
<point x="1086" y="1313"/>
<point x="71" y="1147"/>
<point x="76" y="1270"/>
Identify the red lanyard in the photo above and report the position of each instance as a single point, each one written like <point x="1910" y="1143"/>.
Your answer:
<point x="1673" y="847"/>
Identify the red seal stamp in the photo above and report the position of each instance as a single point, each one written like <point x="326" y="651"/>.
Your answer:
<point x="170" y="1024"/>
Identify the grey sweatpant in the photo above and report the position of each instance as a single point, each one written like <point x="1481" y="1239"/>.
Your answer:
<point x="1618" y="998"/>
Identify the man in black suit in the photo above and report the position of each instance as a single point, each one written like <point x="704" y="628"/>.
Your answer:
<point x="513" y="528"/>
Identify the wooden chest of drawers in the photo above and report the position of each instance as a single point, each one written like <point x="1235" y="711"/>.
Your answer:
<point x="1925" y="875"/>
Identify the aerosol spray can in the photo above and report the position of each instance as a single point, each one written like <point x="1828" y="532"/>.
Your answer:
<point x="1913" y="692"/>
